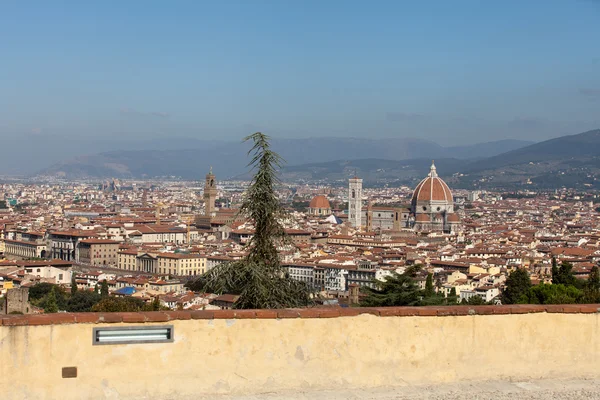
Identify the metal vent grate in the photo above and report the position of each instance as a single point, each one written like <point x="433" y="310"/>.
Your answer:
<point x="133" y="335"/>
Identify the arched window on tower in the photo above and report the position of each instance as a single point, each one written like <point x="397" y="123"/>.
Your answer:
<point x="353" y="194"/>
<point x="212" y="183"/>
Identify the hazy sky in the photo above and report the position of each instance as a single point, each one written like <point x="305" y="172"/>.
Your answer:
<point x="450" y="71"/>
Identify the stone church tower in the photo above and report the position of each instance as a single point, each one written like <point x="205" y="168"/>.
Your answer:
<point x="355" y="202"/>
<point x="210" y="194"/>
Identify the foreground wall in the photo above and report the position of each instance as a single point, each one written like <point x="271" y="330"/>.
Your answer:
<point x="290" y="350"/>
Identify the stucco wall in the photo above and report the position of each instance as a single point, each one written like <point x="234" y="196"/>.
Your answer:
<point x="240" y="355"/>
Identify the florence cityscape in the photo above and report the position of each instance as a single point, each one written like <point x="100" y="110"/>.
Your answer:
<point x="289" y="200"/>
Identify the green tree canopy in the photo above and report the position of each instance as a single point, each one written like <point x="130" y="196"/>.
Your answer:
<point x="39" y="290"/>
<point x="564" y="275"/>
<point x="591" y="292"/>
<point x="554" y="294"/>
<point x="50" y="305"/>
<point x="402" y="290"/>
<point x="258" y="278"/>
<point x="104" y="289"/>
<point x="82" y="301"/>
<point x="73" y="284"/>
<point x="517" y="287"/>
<point x="119" y="304"/>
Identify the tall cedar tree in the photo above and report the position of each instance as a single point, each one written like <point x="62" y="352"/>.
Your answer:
<point x="258" y="278"/>
<point x="517" y="287"/>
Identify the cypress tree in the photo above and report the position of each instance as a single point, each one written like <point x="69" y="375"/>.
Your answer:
<point x="51" y="306"/>
<point x="517" y="287"/>
<point x="104" y="289"/>
<point x="554" y="271"/>
<point x="429" y="285"/>
<point x="73" y="284"/>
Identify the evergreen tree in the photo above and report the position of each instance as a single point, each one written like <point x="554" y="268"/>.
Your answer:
<point x="258" y="278"/>
<point x="565" y="275"/>
<point x="82" y="301"/>
<point x="591" y="292"/>
<point x="517" y="287"/>
<point x="429" y="291"/>
<point x="452" y="298"/>
<point x="104" y="289"/>
<point x="156" y="304"/>
<point x="554" y="294"/>
<point x="554" y="271"/>
<point x="119" y="304"/>
<point x="395" y="290"/>
<point x="51" y="306"/>
<point x="73" y="284"/>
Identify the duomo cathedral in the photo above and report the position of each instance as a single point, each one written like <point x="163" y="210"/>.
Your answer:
<point x="431" y="208"/>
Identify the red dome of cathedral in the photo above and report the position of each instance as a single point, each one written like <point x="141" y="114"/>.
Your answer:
<point x="432" y="188"/>
<point x="319" y="201"/>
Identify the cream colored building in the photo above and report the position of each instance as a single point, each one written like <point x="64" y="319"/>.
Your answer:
<point x="181" y="264"/>
<point x="162" y="263"/>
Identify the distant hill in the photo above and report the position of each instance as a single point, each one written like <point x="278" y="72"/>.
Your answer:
<point x="229" y="158"/>
<point x="375" y="172"/>
<point x="567" y="161"/>
<point x="488" y="149"/>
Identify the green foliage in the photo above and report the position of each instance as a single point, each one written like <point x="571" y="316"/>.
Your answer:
<point x="517" y="287"/>
<point x="553" y="294"/>
<point x="452" y="297"/>
<point x="40" y="294"/>
<point x="104" y="289"/>
<point x="395" y="290"/>
<point x="155" y="304"/>
<point x="401" y="290"/>
<point x="591" y="292"/>
<point x="39" y="290"/>
<point x="73" y="285"/>
<point x="3" y="204"/>
<point x="429" y="285"/>
<point x="16" y="312"/>
<point x="258" y="278"/>
<point x="563" y="275"/>
<point x="474" y="301"/>
<point x="82" y="301"/>
<point x="51" y="305"/>
<point x="119" y="304"/>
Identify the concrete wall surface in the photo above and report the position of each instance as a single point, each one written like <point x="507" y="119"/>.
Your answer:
<point x="238" y="353"/>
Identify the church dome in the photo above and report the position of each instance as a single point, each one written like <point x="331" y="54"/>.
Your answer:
<point x="432" y="188"/>
<point x="319" y="201"/>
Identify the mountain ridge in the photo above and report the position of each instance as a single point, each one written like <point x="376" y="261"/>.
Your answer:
<point x="230" y="158"/>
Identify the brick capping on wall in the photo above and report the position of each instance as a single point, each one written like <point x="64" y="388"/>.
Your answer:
<point x="320" y="312"/>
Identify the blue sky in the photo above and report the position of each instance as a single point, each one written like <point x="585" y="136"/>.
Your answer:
<point x="449" y="71"/>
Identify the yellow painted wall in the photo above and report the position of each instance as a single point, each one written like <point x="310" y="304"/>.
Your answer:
<point x="267" y="355"/>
